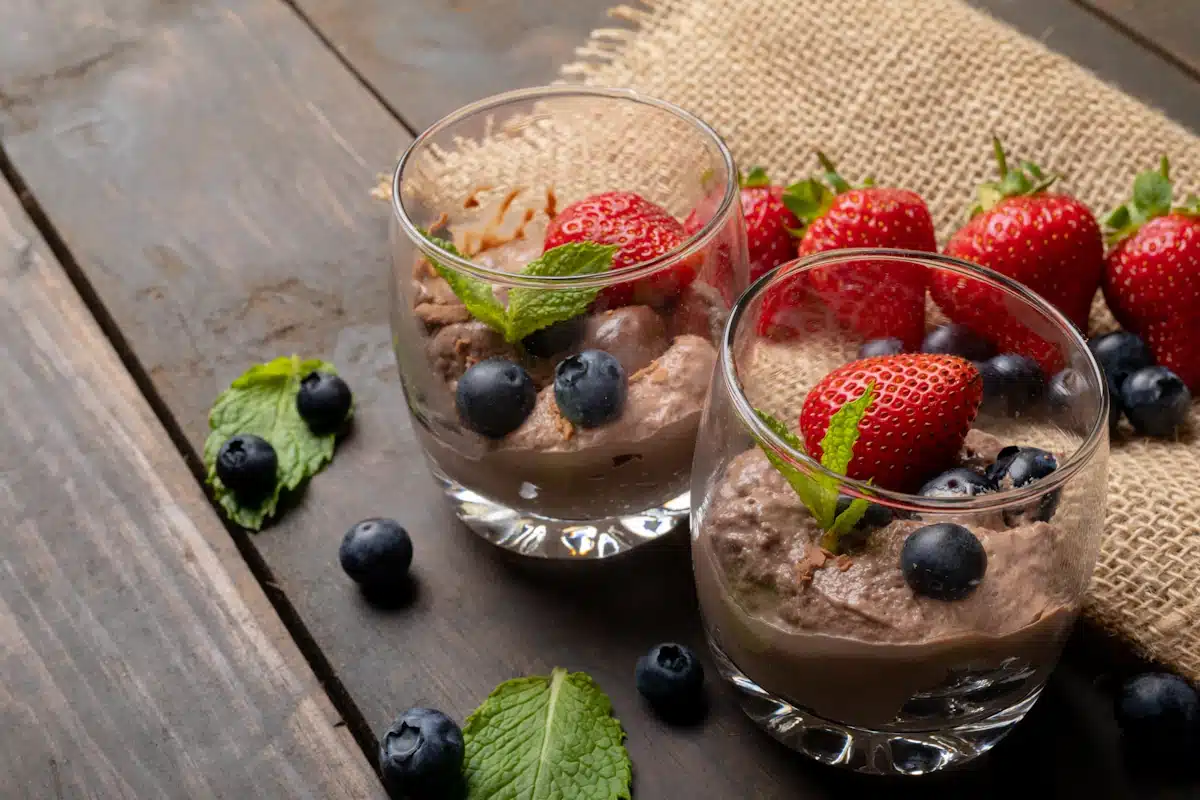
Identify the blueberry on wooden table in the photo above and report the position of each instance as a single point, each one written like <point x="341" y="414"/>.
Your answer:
<point x="323" y="401"/>
<point x="421" y="756"/>
<point x="590" y="388"/>
<point x="494" y="397"/>
<point x="1156" y="401"/>
<point x="376" y="553"/>
<point x="671" y="679"/>
<point x="943" y="561"/>
<point x="247" y="465"/>
<point x="957" y="340"/>
<point x="1120" y="354"/>
<point x="1159" y="713"/>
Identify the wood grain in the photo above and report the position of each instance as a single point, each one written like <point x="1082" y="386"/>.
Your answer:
<point x="1171" y="25"/>
<point x="140" y="658"/>
<point x="428" y="57"/>
<point x="207" y="164"/>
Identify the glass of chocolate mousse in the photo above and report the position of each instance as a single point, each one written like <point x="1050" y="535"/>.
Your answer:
<point x="892" y="535"/>
<point x="564" y="261"/>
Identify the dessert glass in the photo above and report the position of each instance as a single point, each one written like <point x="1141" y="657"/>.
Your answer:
<point x="491" y="178"/>
<point x="836" y="656"/>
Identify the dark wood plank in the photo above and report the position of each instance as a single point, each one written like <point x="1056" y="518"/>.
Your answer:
<point x="1082" y="35"/>
<point x="140" y="657"/>
<point x="428" y="57"/>
<point x="210" y="176"/>
<point x="1170" y="25"/>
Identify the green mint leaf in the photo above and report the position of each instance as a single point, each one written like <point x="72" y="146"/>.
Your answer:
<point x="837" y="448"/>
<point x="757" y="176"/>
<point x="262" y="402"/>
<point x="846" y="520"/>
<point x="475" y="294"/>
<point x="808" y="199"/>
<point x="532" y="309"/>
<point x="546" y="738"/>
<point x="807" y="487"/>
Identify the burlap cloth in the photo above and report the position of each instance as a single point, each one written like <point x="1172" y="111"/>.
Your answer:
<point x="910" y="91"/>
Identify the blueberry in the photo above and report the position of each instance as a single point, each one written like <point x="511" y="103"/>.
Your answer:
<point x="943" y="561"/>
<point x="1017" y="466"/>
<point x="494" y="397"/>
<point x="671" y="679"/>
<point x="556" y="338"/>
<point x="957" y="340"/>
<point x="1156" y="401"/>
<point x="1011" y="382"/>
<point x="876" y="516"/>
<point x="1066" y="391"/>
<point x="1120" y="354"/>
<point x="1159" y="713"/>
<point x="376" y="553"/>
<point x="890" y="346"/>
<point x="323" y="401"/>
<point x="247" y="465"/>
<point x="590" y="388"/>
<point x="958" y="482"/>
<point x="421" y="755"/>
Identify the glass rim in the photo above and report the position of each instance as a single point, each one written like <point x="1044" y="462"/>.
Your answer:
<point x="693" y="244"/>
<point x="904" y="500"/>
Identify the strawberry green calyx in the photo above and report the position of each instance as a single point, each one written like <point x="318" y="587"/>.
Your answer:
<point x="1152" y="197"/>
<point x="1026" y="179"/>
<point x="809" y="199"/>
<point x="818" y="491"/>
<point x="755" y="178"/>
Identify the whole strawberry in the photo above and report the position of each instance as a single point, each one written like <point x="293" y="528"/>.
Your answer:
<point x="770" y="226"/>
<point x="877" y="299"/>
<point x="1152" y="273"/>
<point x="642" y="230"/>
<point x="914" y="428"/>
<point x="1049" y="242"/>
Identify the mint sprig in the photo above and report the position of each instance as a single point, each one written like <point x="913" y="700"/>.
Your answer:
<point x="546" y="738"/>
<point x="262" y="402"/>
<point x="819" y="492"/>
<point x="529" y="309"/>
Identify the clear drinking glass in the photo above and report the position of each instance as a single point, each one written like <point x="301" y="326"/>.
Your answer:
<point x="833" y="653"/>
<point x="604" y="463"/>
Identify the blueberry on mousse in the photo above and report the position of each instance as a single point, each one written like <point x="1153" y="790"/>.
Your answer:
<point x="247" y="465"/>
<point x="494" y="397"/>
<point x="957" y="482"/>
<point x="590" y="388"/>
<point x="556" y="338"/>
<point x="943" y="561"/>
<point x="421" y="755"/>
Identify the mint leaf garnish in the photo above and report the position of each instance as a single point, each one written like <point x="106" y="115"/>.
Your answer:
<point x="819" y="492"/>
<point x="263" y="402"/>
<point x="546" y="738"/>
<point x="530" y="309"/>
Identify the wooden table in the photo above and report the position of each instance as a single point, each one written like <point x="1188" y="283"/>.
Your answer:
<point x="185" y="193"/>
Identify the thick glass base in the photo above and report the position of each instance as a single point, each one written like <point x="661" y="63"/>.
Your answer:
<point x="869" y="751"/>
<point x="545" y="537"/>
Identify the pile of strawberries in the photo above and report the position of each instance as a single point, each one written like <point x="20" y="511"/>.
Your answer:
<point x="1048" y="241"/>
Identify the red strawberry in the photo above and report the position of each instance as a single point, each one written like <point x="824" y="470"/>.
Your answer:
<point x="769" y="223"/>
<point x="915" y="426"/>
<point x="641" y="229"/>
<point x="1049" y="242"/>
<point x="875" y="298"/>
<point x="1152" y="274"/>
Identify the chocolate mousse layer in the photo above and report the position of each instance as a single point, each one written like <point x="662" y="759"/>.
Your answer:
<point x="847" y="638"/>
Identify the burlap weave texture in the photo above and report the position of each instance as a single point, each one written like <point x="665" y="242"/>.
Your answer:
<point x="909" y="91"/>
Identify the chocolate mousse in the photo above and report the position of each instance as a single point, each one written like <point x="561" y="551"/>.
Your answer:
<point x="846" y="637"/>
<point x="548" y="466"/>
